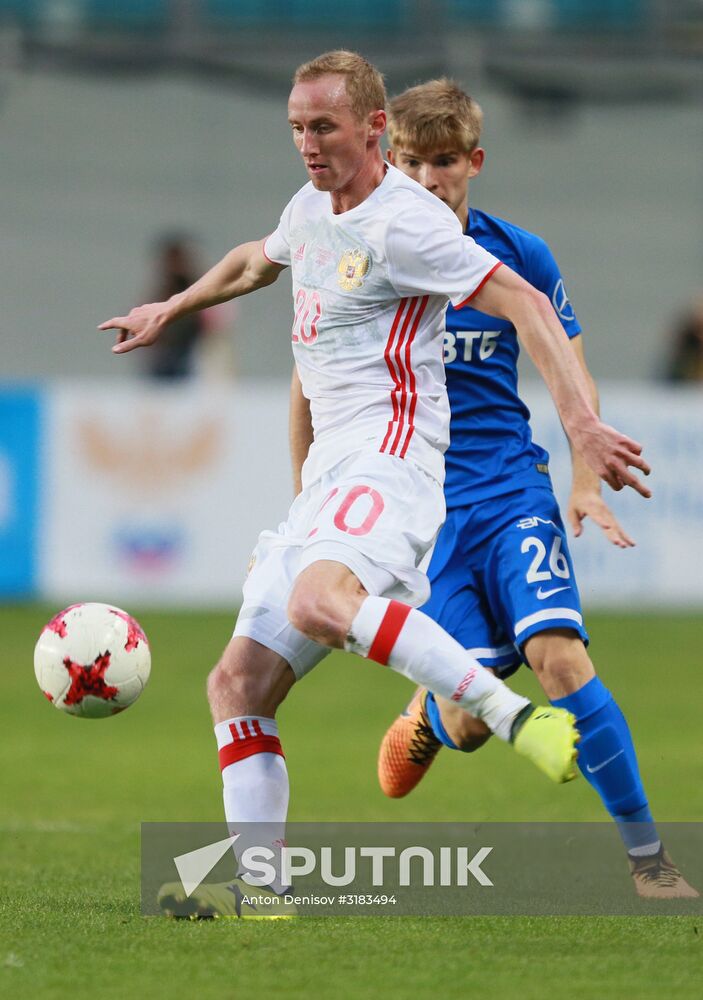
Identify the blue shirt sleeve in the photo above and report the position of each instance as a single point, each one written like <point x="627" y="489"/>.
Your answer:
<point x="541" y="270"/>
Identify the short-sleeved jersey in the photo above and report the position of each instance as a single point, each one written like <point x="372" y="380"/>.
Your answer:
<point x="491" y="450"/>
<point x="370" y="287"/>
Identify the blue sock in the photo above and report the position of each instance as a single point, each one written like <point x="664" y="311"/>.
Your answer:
<point x="435" y="721"/>
<point x="608" y="762"/>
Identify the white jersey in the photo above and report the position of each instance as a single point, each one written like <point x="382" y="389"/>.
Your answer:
<point x="370" y="287"/>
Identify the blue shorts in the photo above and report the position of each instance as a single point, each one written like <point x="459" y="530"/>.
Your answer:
<point x="501" y="571"/>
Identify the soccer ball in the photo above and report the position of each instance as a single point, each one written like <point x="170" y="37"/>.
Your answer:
<point x="92" y="660"/>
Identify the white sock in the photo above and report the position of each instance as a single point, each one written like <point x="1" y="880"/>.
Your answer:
<point x="255" y="783"/>
<point x="413" y="645"/>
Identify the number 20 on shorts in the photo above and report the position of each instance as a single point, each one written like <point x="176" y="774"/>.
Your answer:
<point x="352" y="498"/>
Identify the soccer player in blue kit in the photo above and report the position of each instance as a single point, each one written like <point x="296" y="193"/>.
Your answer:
<point x="502" y="577"/>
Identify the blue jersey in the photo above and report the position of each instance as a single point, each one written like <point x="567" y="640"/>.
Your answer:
<point x="492" y="451"/>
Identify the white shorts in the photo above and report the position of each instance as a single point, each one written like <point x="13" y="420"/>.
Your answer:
<point x="377" y="514"/>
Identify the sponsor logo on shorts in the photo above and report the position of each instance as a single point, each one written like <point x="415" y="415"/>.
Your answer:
<point x="542" y="594"/>
<point x="533" y="522"/>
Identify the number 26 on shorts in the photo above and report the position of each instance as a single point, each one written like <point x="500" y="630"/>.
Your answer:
<point x="558" y="565"/>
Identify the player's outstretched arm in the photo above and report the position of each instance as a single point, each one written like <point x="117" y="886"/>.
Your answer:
<point x="241" y="271"/>
<point x="609" y="453"/>
<point x="299" y="430"/>
<point x="586" y="499"/>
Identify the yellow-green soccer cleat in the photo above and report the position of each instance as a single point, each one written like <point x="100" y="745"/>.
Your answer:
<point x="548" y="737"/>
<point x="224" y="899"/>
<point x="657" y="877"/>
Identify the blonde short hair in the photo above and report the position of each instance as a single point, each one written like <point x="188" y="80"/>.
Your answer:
<point x="434" y="116"/>
<point x="364" y="83"/>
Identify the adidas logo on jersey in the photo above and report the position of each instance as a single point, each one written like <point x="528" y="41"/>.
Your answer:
<point x="300" y="252"/>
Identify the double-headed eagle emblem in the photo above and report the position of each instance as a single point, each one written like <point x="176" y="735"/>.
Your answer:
<point x="352" y="269"/>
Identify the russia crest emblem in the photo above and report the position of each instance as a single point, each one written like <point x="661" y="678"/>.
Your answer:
<point x="352" y="269"/>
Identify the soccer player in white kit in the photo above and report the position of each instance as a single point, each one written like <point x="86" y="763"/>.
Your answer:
<point x="374" y="259"/>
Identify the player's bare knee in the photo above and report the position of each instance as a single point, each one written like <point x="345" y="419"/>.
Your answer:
<point x="560" y="661"/>
<point x="316" y="615"/>
<point x="324" y="601"/>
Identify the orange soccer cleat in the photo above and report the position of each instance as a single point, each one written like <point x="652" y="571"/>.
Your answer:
<point x="407" y="749"/>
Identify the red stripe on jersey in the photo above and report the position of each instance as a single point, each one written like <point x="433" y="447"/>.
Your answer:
<point x="403" y="372"/>
<point x="388" y="632"/>
<point x="480" y="285"/>
<point x="389" y="363"/>
<point x="412" y="384"/>
<point x="241" y="749"/>
<point x="394" y="361"/>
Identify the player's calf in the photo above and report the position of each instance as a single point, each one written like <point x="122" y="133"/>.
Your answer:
<point x="248" y="680"/>
<point x="465" y="731"/>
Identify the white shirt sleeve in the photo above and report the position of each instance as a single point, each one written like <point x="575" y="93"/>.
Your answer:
<point x="429" y="254"/>
<point x="277" y="245"/>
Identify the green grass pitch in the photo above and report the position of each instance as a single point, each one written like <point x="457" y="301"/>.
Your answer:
<point x="74" y="792"/>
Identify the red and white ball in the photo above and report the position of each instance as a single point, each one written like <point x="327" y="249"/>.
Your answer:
<point x="92" y="660"/>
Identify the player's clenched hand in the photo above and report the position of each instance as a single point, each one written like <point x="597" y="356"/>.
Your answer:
<point x="612" y="455"/>
<point x="140" y="328"/>
<point x="585" y="503"/>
